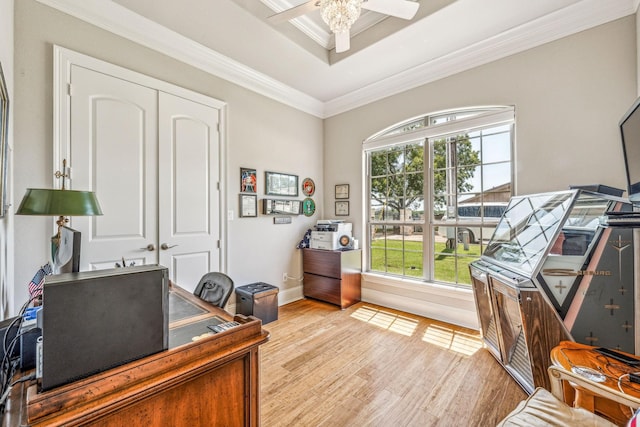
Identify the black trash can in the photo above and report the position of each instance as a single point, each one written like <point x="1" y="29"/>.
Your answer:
<point x="259" y="300"/>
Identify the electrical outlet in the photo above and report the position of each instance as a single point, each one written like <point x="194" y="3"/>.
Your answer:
<point x="284" y="277"/>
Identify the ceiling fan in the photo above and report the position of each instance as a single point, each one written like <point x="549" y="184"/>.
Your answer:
<point x="341" y="14"/>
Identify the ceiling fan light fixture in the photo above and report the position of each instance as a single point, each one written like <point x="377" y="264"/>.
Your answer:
<point x="340" y="14"/>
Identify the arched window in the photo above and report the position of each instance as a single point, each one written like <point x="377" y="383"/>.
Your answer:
<point x="436" y="187"/>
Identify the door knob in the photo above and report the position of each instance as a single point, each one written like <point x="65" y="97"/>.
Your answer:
<point x="164" y="246"/>
<point x="150" y="247"/>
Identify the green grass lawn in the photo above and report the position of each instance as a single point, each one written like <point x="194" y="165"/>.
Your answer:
<point x="447" y="263"/>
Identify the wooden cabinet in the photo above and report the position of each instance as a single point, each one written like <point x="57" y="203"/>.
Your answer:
<point x="210" y="381"/>
<point x="332" y="276"/>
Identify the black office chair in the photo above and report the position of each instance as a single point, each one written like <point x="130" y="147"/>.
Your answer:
<point x="215" y="288"/>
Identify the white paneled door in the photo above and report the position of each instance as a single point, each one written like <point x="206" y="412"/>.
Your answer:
<point x="153" y="160"/>
<point x="113" y="136"/>
<point x="188" y="193"/>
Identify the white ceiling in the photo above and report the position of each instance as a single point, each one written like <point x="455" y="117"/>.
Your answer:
<point x="294" y="64"/>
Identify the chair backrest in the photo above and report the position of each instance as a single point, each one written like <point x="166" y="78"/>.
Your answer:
<point x="215" y="288"/>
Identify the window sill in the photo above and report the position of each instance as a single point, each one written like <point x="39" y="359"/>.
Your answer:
<point x="418" y="285"/>
<point x="451" y="304"/>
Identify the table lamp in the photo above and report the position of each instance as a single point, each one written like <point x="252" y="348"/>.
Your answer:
<point x="61" y="203"/>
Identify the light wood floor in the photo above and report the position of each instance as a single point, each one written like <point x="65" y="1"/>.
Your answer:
<point x="372" y="366"/>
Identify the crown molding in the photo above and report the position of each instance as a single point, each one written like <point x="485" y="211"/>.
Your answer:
<point x="118" y="20"/>
<point x="572" y="19"/>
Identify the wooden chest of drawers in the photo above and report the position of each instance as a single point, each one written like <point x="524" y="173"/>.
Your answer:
<point x="332" y="276"/>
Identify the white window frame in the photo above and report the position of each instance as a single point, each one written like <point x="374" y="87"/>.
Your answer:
<point x="492" y="116"/>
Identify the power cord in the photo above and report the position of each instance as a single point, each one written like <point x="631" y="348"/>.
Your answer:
<point x="9" y="363"/>
<point x="4" y="396"/>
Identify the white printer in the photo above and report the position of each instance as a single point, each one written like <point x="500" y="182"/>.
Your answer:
<point x="331" y="234"/>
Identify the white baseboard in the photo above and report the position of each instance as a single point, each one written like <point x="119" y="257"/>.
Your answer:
<point x="286" y="296"/>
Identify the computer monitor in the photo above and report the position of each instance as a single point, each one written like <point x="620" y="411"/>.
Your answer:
<point x="95" y="320"/>
<point x="66" y="257"/>
<point x="630" y="133"/>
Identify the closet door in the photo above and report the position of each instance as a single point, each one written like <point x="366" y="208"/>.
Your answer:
<point x="113" y="151"/>
<point x="189" y="213"/>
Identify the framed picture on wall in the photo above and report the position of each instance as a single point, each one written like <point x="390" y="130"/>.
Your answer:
<point x="342" y="191"/>
<point x="281" y="184"/>
<point x="248" y="180"/>
<point x="342" y="208"/>
<point x="248" y="205"/>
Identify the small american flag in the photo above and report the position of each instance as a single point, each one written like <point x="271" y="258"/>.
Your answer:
<point x="35" y="285"/>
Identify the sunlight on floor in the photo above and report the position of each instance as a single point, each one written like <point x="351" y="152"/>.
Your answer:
<point x="386" y="320"/>
<point x="450" y="339"/>
<point x="457" y="341"/>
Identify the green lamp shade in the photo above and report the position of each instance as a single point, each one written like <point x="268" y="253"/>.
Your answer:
<point x="59" y="202"/>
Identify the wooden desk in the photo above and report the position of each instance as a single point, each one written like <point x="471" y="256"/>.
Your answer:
<point x="211" y="381"/>
<point x="570" y="354"/>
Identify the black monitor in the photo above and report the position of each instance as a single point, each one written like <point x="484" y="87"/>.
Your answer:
<point x="95" y="320"/>
<point x="66" y="257"/>
<point x="630" y="132"/>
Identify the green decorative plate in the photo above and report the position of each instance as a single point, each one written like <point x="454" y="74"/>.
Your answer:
<point x="308" y="206"/>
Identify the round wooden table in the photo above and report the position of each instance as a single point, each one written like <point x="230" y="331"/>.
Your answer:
<point x="583" y="359"/>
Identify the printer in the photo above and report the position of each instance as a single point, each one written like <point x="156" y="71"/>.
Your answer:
<point x="331" y="234"/>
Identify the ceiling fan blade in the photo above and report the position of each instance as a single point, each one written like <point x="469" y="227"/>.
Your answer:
<point x="294" y="12"/>
<point x="343" y="41"/>
<point x="399" y="8"/>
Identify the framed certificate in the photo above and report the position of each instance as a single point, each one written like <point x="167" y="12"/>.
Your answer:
<point x="342" y="191"/>
<point x="342" y="208"/>
<point x="248" y="205"/>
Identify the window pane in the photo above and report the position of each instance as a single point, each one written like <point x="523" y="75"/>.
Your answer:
<point x="379" y="163"/>
<point x="405" y="127"/>
<point x="469" y="180"/>
<point x="467" y="151"/>
<point x="397" y="250"/>
<point x="413" y="249"/>
<point x="395" y="160"/>
<point x="496" y="148"/>
<point x="415" y="158"/>
<point x="378" y="244"/>
<point x="452" y="257"/>
<point x="496" y="175"/>
<point x="415" y="191"/>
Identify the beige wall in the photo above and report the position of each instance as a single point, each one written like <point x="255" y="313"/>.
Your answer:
<point x="262" y="134"/>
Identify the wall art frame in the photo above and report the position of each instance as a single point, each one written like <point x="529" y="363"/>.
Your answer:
<point x="281" y="184"/>
<point x="248" y="180"/>
<point x="248" y="205"/>
<point x="281" y="207"/>
<point x="342" y="191"/>
<point x="342" y="208"/>
<point x="308" y="187"/>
